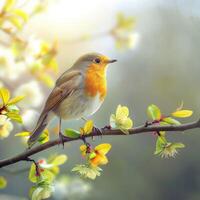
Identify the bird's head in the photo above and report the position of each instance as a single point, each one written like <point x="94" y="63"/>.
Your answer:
<point x="95" y="61"/>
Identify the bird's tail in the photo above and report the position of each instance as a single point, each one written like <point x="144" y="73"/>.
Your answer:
<point x="41" y="124"/>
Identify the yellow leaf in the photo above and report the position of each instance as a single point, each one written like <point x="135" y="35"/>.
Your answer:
<point x="59" y="160"/>
<point x="23" y="134"/>
<point x="182" y="113"/>
<point x="8" y="5"/>
<point x="45" y="78"/>
<point x="21" y="14"/>
<point x="3" y="182"/>
<point x="15" y="117"/>
<point x="16" y="22"/>
<point x="15" y="100"/>
<point x="5" y="95"/>
<point x="87" y="129"/>
<point x="103" y="148"/>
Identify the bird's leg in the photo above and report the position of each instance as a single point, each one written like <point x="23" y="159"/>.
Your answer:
<point x="61" y="137"/>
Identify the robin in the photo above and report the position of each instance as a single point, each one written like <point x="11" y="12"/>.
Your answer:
<point x="78" y="93"/>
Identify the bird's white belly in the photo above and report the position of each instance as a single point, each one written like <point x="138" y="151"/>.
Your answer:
<point x="78" y="105"/>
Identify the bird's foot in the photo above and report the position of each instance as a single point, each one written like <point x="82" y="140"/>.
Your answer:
<point x="61" y="137"/>
<point x="97" y="131"/>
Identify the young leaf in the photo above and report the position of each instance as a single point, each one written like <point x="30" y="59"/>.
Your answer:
<point x="71" y="133"/>
<point x="47" y="175"/>
<point x="8" y="5"/>
<point x="16" y="22"/>
<point x="15" y="117"/>
<point x="59" y="160"/>
<point x="32" y="174"/>
<point x="44" y="137"/>
<point x="170" y="120"/>
<point x="182" y="113"/>
<point x="41" y="192"/>
<point x="3" y="182"/>
<point x="160" y="143"/>
<point x="154" y="112"/>
<point x="87" y="129"/>
<point x="15" y="100"/>
<point x="4" y="95"/>
<point x="23" y="134"/>
<point x="21" y="14"/>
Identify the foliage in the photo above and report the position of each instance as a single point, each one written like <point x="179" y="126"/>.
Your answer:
<point x="43" y="174"/>
<point x="43" y="138"/>
<point x="3" y="182"/>
<point x="37" y="58"/>
<point x="94" y="158"/>
<point x="163" y="147"/>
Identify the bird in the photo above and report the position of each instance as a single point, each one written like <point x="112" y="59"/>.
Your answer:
<point x="78" y="92"/>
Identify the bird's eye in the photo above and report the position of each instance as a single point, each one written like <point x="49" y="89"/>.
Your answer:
<point x="97" y="60"/>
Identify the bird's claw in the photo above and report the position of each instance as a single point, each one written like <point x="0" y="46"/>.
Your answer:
<point x="97" y="131"/>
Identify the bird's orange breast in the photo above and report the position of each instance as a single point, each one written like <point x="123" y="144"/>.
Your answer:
<point x="95" y="81"/>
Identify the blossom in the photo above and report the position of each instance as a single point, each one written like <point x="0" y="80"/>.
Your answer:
<point x="121" y="119"/>
<point x="29" y="118"/>
<point x="32" y="92"/>
<point x="8" y="67"/>
<point x="97" y="156"/>
<point x="123" y="32"/>
<point x="170" y="150"/>
<point x="87" y="171"/>
<point x="5" y="127"/>
<point x="69" y="187"/>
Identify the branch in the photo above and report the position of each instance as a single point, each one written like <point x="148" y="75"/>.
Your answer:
<point x="137" y="130"/>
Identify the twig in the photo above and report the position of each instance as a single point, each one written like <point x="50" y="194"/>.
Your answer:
<point x="106" y="132"/>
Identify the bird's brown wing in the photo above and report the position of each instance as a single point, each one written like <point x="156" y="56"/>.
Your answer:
<point x="65" y="86"/>
<point x="70" y="83"/>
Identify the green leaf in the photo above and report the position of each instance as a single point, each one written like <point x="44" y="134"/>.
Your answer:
<point x="3" y="182"/>
<point x="92" y="155"/>
<point x="32" y="174"/>
<point x="44" y="137"/>
<point x="47" y="175"/>
<point x="160" y="144"/>
<point x="178" y="145"/>
<point x="170" y="120"/>
<point x="59" y="160"/>
<point x="15" y="117"/>
<point x="36" y="193"/>
<point x="154" y="112"/>
<point x="71" y="133"/>
<point x="15" y="100"/>
<point x="23" y="134"/>
<point x="4" y="95"/>
<point x="41" y="192"/>
<point x="13" y="108"/>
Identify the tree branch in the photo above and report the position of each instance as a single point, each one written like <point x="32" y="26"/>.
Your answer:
<point x="109" y="132"/>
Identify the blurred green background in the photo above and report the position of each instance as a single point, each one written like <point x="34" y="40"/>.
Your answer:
<point x="163" y="68"/>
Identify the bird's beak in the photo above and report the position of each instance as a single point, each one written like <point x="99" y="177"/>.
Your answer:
<point x="112" y="61"/>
